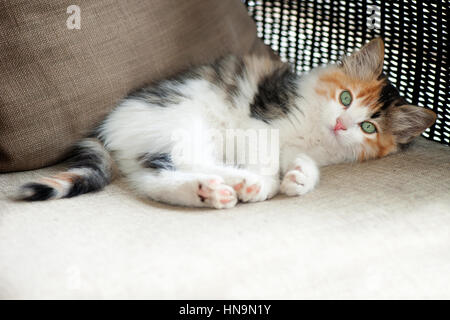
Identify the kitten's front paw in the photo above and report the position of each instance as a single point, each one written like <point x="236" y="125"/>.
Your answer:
<point x="300" y="180"/>
<point x="250" y="189"/>
<point x="214" y="193"/>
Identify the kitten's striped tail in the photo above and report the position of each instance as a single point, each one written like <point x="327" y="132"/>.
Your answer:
<point x="91" y="170"/>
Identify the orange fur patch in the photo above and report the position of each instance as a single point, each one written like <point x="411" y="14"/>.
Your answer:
<point x="63" y="176"/>
<point x="333" y="81"/>
<point x="367" y="91"/>
<point x="66" y="176"/>
<point x="336" y="78"/>
<point x="52" y="183"/>
<point x="321" y="92"/>
<point x="377" y="148"/>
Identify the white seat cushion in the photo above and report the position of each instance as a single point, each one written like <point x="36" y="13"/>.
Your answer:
<point x="379" y="229"/>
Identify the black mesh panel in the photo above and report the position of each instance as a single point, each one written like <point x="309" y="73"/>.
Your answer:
<point x="311" y="33"/>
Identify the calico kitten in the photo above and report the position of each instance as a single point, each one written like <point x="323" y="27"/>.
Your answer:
<point x="338" y="113"/>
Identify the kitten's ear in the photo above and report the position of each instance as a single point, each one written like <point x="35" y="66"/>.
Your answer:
<point x="410" y="121"/>
<point x="366" y="63"/>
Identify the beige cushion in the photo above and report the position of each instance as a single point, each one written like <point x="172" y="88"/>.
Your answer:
<point x="56" y="83"/>
<point x="379" y="229"/>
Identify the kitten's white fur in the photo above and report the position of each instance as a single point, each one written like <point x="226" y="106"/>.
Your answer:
<point x="307" y="141"/>
<point x="152" y="130"/>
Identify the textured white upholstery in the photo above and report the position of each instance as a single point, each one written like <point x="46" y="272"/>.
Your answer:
<point x="379" y="229"/>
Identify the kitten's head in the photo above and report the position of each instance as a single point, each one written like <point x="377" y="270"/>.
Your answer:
<point x="364" y="111"/>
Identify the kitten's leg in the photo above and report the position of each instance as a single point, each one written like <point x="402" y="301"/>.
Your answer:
<point x="184" y="188"/>
<point x="249" y="185"/>
<point x="300" y="176"/>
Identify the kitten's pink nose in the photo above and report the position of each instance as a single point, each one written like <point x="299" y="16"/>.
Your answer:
<point x="339" y="125"/>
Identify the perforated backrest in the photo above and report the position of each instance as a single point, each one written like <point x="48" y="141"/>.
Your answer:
<point x="310" y="33"/>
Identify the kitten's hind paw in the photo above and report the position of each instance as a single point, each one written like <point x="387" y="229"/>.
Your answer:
<point x="214" y="193"/>
<point x="251" y="189"/>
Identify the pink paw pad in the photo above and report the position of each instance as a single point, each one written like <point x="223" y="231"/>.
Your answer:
<point x="216" y="194"/>
<point x="293" y="176"/>
<point x="253" y="188"/>
<point x="250" y="190"/>
<point x="238" y="186"/>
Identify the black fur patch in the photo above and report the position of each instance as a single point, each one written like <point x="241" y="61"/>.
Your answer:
<point x="40" y="192"/>
<point x="85" y="158"/>
<point x="389" y="95"/>
<point x="275" y="94"/>
<point x="85" y="184"/>
<point x="376" y="115"/>
<point x="158" y="161"/>
<point x="98" y="174"/>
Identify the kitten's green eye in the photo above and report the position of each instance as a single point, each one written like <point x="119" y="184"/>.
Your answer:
<point x="346" y="98"/>
<point x="368" y="127"/>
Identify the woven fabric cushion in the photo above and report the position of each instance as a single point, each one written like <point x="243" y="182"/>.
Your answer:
<point x="373" y="230"/>
<point x="56" y="83"/>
